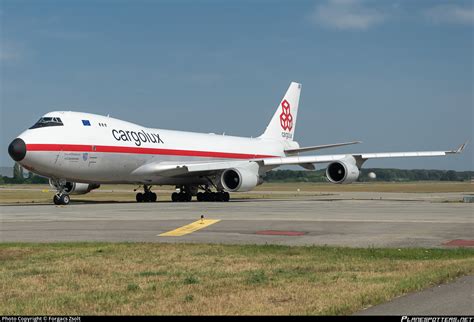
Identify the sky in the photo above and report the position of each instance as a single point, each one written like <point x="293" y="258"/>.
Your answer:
<point x="397" y="75"/>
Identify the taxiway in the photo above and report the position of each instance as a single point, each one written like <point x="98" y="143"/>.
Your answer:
<point x="359" y="221"/>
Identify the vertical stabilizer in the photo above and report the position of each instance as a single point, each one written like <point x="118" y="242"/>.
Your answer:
<point x="283" y="123"/>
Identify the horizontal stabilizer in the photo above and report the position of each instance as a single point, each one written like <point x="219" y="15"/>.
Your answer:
<point x="320" y="147"/>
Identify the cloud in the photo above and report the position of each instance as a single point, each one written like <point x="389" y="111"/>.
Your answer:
<point x="346" y="15"/>
<point x="451" y="14"/>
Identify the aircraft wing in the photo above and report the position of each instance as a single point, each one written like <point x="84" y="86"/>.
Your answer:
<point x="169" y="169"/>
<point x="360" y="157"/>
<point x="174" y="169"/>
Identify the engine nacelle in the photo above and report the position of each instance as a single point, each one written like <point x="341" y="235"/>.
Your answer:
<point x="344" y="171"/>
<point x="75" y="188"/>
<point x="241" y="178"/>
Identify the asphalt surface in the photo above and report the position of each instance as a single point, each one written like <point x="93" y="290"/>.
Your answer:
<point x="350" y="219"/>
<point x="452" y="299"/>
<point x="358" y="222"/>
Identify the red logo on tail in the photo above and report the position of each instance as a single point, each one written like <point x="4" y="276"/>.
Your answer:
<point x="286" y="119"/>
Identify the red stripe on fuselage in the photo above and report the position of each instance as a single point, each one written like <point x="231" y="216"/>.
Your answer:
<point x="139" y="150"/>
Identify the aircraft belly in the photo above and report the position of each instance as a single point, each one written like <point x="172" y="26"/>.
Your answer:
<point x="104" y="167"/>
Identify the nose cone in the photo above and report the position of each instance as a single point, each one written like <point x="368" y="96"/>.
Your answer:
<point x="17" y="149"/>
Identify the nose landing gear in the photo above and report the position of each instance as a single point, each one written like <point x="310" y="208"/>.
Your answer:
<point x="61" y="197"/>
<point x="147" y="195"/>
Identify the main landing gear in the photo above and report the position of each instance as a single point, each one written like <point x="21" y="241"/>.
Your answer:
<point x="213" y="196"/>
<point x="147" y="195"/>
<point x="186" y="194"/>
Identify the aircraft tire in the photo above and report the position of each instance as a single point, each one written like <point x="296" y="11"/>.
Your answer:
<point x="153" y="197"/>
<point x="174" y="197"/>
<point x="139" y="197"/>
<point x="226" y="196"/>
<point x="64" y="199"/>
<point x="200" y="196"/>
<point x="146" y="197"/>
<point x="184" y="197"/>
<point x="56" y="200"/>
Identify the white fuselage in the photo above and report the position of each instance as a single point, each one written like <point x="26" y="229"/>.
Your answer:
<point x="110" y="150"/>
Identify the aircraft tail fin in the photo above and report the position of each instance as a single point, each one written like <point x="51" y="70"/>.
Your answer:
<point x="283" y="123"/>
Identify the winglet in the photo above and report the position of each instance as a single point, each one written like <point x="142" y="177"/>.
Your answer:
<point x="460" y="148"/>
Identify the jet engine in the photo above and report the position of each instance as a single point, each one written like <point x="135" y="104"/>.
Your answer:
<point x="74" y="188"/>
<point x="344" y="171"/>
<point x="243" y="178"/>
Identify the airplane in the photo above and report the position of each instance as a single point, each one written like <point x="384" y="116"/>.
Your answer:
<point x="80" y="151"/>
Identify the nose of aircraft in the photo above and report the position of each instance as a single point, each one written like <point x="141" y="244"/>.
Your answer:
<point x="17" y="149"/>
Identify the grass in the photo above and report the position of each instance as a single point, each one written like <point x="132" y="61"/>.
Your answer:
<point x="10" y="194"/>
<point x="151" y="278"/>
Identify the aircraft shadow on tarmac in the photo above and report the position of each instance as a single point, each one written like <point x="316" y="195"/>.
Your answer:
<point x="104" y="202"/>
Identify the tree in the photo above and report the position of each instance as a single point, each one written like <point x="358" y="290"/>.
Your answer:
<point x="18" y="173"/>
<point x="450" y="176"/>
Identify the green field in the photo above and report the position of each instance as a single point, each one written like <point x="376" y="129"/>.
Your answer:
<point x="35" y="193"/>
<point x="152" y="278"/>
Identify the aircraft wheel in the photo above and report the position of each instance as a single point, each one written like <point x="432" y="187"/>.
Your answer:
<point x="56" y="200"/>
<point x="219" y="196"/>
<point x="64" y="199"/>
<point x="174" y="197"/>
<point x="225" y="196"/>
<point x="153" y="197"/>
<point x="184" y="197"/>
<point x="147" y="196"/>
<point x="205" y="196"/>
<point x="200" y="196"/>
<point x="139" y="197"/>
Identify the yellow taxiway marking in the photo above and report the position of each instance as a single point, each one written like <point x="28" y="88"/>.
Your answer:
<point x="192" y="227"/>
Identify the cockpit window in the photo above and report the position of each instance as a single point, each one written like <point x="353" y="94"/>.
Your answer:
<point x="47" y="121"/>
